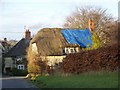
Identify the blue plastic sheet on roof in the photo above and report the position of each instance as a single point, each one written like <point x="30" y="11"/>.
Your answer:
<point x="76" y="36"/>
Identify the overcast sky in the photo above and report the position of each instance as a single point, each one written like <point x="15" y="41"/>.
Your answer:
<point x="36" y="14"/>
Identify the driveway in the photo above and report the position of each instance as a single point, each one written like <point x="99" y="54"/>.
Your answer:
<point x="16" y="82"/>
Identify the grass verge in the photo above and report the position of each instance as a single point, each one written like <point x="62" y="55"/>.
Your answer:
<point x="85" y="80"/>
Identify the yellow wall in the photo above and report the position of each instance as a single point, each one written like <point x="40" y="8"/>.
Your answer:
<point x="51" y="60"/>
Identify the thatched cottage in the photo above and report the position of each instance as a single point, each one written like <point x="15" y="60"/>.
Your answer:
<point x="53" y="44"/>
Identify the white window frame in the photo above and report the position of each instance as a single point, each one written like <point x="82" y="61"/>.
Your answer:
<point x="72" y="50"/>
<point x="21" y="67"/>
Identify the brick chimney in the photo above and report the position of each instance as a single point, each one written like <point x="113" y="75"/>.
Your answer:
<point x="27" y="34"/>
<point x="5" y="40"/>
<point x="91" y="25"/>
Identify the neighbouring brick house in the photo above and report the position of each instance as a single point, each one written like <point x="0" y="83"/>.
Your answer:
<point x="16" y="56"/>
<point x="5" y="47"/>
<point x="1" y="48"/>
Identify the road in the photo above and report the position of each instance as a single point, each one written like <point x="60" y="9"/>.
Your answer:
<point x="16" y="82"/>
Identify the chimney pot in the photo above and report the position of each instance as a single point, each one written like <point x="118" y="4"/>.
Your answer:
<point x="5" y="39"/>
<point x="27" y="34"/>
<point x="91" y="24"/>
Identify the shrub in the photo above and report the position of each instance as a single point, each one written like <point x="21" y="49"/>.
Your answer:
<point x="105" y="58"/>
<point x="33" y="62"/>
<point x="17" y="72"/>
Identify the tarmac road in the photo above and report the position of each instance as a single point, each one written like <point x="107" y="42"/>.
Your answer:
<point x="16" y="83"/>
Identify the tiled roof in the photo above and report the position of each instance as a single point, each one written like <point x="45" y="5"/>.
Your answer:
<point x="19" y="49"/>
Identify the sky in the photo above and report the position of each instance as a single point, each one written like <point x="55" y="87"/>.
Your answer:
<point x="37" y="14"/>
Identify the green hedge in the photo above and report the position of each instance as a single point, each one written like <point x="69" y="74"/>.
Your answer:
<point x="17" y="72"/>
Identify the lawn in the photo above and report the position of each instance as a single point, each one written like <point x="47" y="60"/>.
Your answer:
<point x="85" y="80"/>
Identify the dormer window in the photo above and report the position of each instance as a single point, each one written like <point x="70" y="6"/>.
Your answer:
<point x="71" y="49"/>
<point x="67" y="50"/>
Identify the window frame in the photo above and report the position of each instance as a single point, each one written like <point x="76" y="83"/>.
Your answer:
<point x="21" y="67"/>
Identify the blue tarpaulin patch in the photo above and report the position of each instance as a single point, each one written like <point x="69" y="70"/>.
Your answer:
<point x="76" y="36"/>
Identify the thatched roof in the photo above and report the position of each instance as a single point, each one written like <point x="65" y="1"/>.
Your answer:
<point x="49" y="41"/>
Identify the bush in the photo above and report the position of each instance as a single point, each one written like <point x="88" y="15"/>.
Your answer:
<point x="34" y="62"/>
<point x="105" y="58"/>
<point x="17" y="72"/>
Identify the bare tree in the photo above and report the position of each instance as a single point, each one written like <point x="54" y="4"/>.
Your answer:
<point x="102" y="21"/>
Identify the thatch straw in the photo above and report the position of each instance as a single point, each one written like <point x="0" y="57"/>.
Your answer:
<point x="49" y="41"/>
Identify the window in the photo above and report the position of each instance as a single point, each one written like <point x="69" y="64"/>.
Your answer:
<point x="63" y="51"/>
<point x="72" y="50"/>
<point x="21" y="67"/>
<point x="66" y="50"/>
<point x="77" y="49"/>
